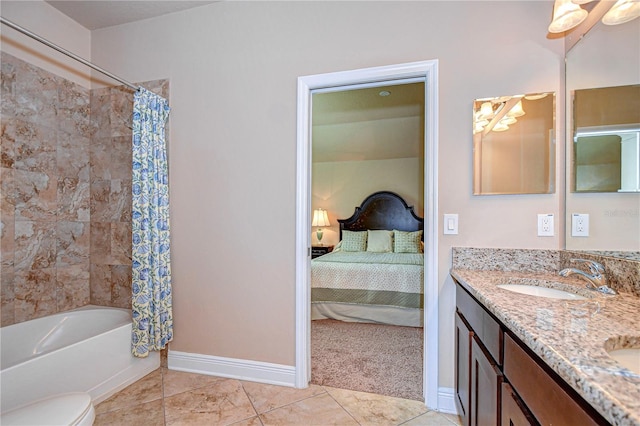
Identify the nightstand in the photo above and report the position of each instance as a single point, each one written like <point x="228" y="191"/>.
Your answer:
<point x="317" y="251"/>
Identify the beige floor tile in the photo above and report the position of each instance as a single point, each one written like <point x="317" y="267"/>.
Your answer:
<point x="317" y="410"/>
<point x="175" y="382"/>
<point x="266" y="397"/>
<point x="221" y="403"/>
<point x="453" y="418"/>
<point x="148" y="414"/>
<point x="149" y="388"/>
<point x="433" y="418"/>
<point x="254" y="421"/>
<point x="372" y="409"/>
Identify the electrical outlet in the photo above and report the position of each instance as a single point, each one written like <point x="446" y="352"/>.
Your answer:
<point x="545" y="225"/>
<point x="579" y="225"/>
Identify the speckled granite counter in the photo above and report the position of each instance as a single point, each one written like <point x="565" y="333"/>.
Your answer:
<point x="570" y="336"/>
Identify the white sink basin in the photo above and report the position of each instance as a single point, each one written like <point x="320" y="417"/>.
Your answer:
<point x="629" y="358"/>
<point x="534" y="290"/>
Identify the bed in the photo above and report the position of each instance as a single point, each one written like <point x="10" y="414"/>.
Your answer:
<point x="376" y="272"/>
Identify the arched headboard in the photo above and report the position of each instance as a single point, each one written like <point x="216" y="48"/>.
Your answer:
<point x="383" y="210"/>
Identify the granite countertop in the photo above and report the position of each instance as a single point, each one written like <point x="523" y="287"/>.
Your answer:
<point x="570" y="335"/>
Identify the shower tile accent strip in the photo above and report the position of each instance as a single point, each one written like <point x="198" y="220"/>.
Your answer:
<point x="65" y="177"/>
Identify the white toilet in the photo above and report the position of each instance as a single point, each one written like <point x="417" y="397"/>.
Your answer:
<point x="69" y="409"/>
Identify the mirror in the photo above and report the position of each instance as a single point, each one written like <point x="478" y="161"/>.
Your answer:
<point x="602" y="83"/>
<point x="606" y="138"/>
<point x="514" y="144"/>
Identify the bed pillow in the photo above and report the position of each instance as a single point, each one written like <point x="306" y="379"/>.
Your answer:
<point x="354" y="240"/>
<point x="379" y="241"/>
<point x="407" y="242"/>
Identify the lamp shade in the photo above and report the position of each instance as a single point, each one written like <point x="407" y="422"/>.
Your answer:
<point x="320" y="218"/>
<point x="566" y="15"/>
<point x="517" y="110"/>
<point x="621" y="12"/>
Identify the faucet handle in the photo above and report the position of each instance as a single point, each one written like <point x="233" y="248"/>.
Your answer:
<point x="594" y="267"/>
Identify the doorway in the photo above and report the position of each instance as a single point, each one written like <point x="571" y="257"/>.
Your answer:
<point x="424" y="71"/>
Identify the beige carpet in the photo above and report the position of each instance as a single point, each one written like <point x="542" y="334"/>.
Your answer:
<point x="382" y="359"/>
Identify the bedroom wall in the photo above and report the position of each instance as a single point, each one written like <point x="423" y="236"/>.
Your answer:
<point x="340" y="186"/>
<point x="233" y="68"/>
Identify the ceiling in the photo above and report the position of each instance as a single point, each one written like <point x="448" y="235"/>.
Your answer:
<point x="359" y="124"/>
<point x="97" y="14"/>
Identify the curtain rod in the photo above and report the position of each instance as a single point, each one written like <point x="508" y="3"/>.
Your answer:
<point x="66" y="52"/>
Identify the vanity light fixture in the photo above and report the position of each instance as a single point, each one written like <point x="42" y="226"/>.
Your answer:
<point x="517" y="110"/>
<point x="486" y="111"/>
<point x="566" y="15"/>
<point x="500" y="127"/>
<point x="508" y="120"/>
<point x="621" y="12"/>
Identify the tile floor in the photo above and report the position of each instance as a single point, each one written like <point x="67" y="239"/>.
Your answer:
<point x="167" y="397"/>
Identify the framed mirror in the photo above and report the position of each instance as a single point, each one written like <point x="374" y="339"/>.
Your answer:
<point x="514" y="144"/>
<point x="603" y="95"/>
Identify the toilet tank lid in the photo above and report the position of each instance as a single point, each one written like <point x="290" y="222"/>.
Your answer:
<point x="62" y="409"/>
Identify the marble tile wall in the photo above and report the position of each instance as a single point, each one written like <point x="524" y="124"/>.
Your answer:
<point x="65" y="205"/>
<point x="110" y="151"/>
<point x="44" y="178"/>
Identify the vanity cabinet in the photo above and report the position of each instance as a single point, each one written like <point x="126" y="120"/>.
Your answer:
<point x="499" y="381"/>
<point x="464" y="336"/>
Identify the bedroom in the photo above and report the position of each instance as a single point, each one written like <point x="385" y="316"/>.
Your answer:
<point x="366" y="140"/>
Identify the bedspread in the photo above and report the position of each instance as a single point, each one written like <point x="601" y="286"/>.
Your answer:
<point x="383" y="279"/>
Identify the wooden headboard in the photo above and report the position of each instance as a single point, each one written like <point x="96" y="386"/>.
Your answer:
<point x="383" y="210"/>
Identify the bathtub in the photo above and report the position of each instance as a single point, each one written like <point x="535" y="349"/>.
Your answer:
<point x="87" y="349"/>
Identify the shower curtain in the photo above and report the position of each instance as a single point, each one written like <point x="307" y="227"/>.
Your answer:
<point x="151" y="270"/>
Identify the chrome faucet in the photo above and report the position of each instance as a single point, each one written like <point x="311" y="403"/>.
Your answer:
<point x="595" y="281"/>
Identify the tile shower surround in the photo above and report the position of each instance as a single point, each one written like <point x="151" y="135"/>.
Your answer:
<point x="65" y="177"/>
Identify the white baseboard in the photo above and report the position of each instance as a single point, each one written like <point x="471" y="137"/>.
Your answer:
<point x="253" y="371"/>
<point x="446" y="401"/>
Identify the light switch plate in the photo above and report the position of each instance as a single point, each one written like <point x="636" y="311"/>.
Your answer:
<point x="579" y="225"/>
<point x="451" y="223"/>
<point x="545" y="225"/>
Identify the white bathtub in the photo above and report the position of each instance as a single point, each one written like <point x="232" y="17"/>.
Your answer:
<point x="87" y="349"/>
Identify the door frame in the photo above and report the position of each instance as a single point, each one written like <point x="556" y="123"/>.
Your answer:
<point x="428" y="71"/>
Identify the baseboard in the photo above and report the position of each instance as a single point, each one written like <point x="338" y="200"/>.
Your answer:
<point x="253" y="371"/>
<point x="446" y="401"/>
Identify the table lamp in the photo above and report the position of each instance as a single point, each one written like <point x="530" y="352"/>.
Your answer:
<point x="320" y="219"/>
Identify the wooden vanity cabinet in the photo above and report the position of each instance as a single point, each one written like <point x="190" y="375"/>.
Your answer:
<point x="486" y="381"/>
<point x="499" y="381"/>
<point x="464" y="336"/>
<point x="514" y="412"/>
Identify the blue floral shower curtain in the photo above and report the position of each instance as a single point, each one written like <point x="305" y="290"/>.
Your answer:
<point x="151" y="270"/>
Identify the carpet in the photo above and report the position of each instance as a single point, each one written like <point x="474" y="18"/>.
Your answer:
<point x="382" y="359"/>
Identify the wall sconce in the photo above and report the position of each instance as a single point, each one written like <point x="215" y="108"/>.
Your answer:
<point x="567" y="14"/>
<point x="320" y="219"/>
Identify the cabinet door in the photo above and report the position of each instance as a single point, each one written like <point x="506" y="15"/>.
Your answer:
<point x="486" y="380"/>
<point x="514" y="412"/>
<point x="464" y="335"/>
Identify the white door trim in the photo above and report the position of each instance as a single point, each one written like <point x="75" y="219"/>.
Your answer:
<point x="427" y="70"/>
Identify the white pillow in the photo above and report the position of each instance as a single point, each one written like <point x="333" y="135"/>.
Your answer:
<point x="379" y="241"/>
